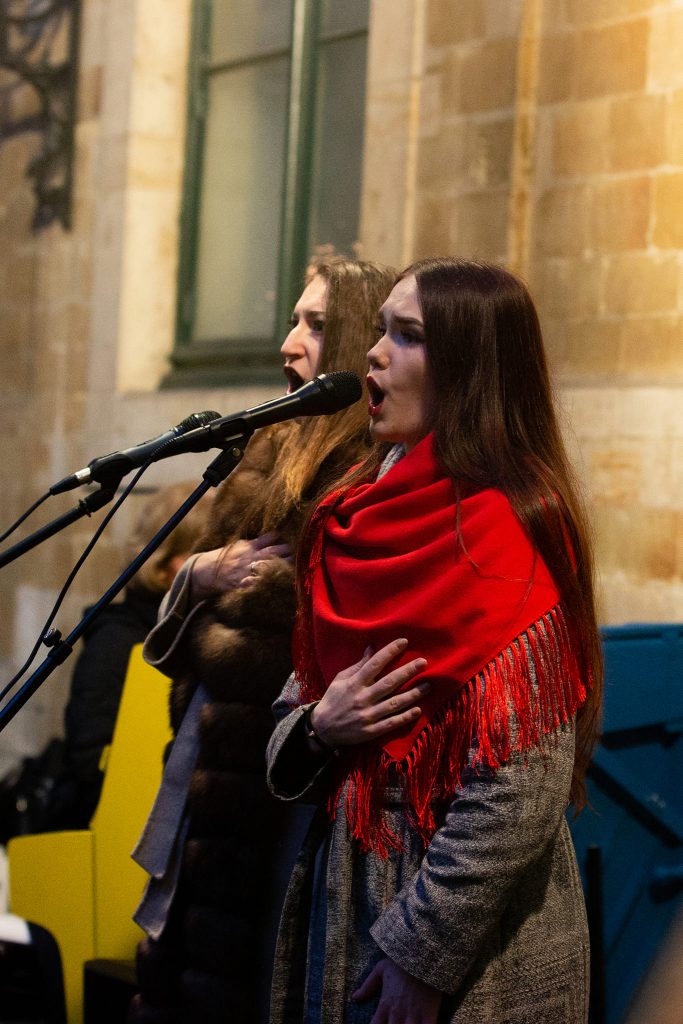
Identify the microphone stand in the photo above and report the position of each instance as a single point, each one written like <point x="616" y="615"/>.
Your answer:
<point x="217" y="471"/>
<point x="86" y="506"/>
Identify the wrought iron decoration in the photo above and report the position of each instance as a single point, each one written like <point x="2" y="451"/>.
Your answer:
<point x="38" y="44"/>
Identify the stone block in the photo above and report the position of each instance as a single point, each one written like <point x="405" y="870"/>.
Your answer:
<point x="611" y="59"/>
<point x="562" y="220"/>
<point x="155" y="163"/>
<point x="488" y="76"/>
<point x="637" y="132"/>
<point x="638" y="541"/>
<point x="665" y="48"/>
<point x="441" y="159"/>
<point x="668" y="211"/>
<point x="557" y="59"/>
<point x="620" y="214"/>
<point x="503" y="17"/>
<point x="451" y="84"/>
<point x="674" y="129"/>
<point x="449" y="23"/>
<point x="582" y="348"/>
<point x="591" y="12"/>
<point x="651" y="349"/>
<point x="488" y="152"/>
<point x="580" y="138"/>
<point x="159" y="72"/>
<point x="566" y="287"/>
<point x="433" y="235"/>
<point x="15" y="349"/>
<point x="481" y="225"/>
<point x="641" y="283"/>
<point x="616" y="475"/>
<point x="468" y="154"/>
<point x="662" y="476"/>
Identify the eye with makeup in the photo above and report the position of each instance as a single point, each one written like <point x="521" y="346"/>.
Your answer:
<point x="318" y="325"/>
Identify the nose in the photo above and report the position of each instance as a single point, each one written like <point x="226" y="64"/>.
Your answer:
<point x="378" y="356"/>
<point x="291" y="348"/>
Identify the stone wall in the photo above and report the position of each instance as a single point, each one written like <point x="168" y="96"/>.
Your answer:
<point x="546" y="133"/>
<point x="549" y="136"/>
<point x="87" y="319"/>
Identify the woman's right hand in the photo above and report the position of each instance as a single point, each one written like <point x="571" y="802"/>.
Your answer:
<point x="361" y="705"/>
<point x="223" y="569"/>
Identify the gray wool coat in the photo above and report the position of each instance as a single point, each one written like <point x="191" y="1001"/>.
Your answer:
<point x="492" y="914"/>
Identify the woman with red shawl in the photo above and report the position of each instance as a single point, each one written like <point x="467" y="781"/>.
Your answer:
<point x="447" y="685"/>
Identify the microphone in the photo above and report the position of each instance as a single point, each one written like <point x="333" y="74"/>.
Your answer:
<point x="321" y="396"/>
<point x="325" y="394"/>
<point x="117" y="464"/>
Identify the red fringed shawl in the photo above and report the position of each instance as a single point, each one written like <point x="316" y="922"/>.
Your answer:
<point x="397" y="557"/>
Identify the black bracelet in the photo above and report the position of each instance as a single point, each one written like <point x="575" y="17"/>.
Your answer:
<point x="325" y="748"/>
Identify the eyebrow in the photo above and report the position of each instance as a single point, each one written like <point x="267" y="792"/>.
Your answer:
<point x="407" y="321"/>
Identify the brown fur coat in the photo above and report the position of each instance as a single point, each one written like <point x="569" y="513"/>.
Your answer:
<point x="212" y="962"/>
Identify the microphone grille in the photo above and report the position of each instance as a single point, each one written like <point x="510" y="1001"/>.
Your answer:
<point x="197" y="419"/>
<point x="343" y="387"/>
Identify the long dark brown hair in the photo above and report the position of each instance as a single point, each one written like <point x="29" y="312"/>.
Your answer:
<point x="495" y="425"/>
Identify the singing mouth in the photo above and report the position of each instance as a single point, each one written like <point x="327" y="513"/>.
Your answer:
<point x="376" y="396"/>
<point x="294" y="381"/>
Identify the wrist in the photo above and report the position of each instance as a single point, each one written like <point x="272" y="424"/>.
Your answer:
<point x="315" y="740"/>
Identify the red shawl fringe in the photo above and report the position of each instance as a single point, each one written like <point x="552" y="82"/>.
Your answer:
<point x="513" y="705"/>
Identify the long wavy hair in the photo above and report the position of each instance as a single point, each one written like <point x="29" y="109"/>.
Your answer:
<point x="318" y="449"/>
<point x="495" y="425"/>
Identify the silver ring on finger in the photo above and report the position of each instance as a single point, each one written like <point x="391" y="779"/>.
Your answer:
<point x="252" y="568"/>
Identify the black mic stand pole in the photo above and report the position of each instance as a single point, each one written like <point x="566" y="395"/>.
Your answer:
<point x="219" y="469"/>
<point x="86" y="506"/>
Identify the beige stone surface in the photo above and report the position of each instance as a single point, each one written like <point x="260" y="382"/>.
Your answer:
<point x="561" y="151"/>
<point x="668" y="211"/>
<point x="620" y="214"/>
<point x="637" y="132"/>
<point x="665" y="43"/>
<point x="641" y="282"/>
<point x="448" y="23"/>
<point x="487" y="76"/>
<point x="581" y="138"/>
<point x="674" y="129"/>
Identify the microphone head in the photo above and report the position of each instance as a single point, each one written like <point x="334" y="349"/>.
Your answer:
<point x="197" y="419"/>
<point x="337" y="390"/>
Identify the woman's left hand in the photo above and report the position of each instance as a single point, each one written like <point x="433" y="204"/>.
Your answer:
<point x="403" y="999"/>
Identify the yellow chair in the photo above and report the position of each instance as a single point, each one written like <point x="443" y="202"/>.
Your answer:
<point x="83" y="886"/>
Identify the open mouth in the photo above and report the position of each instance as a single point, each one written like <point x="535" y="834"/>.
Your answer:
<point x="294" y="381"/>
<point x="376" y="396"/>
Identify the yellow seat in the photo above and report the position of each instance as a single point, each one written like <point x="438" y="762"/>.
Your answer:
<point x="83" y="886"/>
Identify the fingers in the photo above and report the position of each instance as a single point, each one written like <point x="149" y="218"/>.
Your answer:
<point x="398" y="703"/>
<point x="378" y="661"/>
<point x="265" y="540"/>
<point x="371" y="985"/>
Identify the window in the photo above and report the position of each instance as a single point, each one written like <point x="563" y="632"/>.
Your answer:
<point x="273" y="168"/>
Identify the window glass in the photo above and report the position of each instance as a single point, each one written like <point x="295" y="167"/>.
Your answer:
<point x="245" y="28"/>
<point x="239" y="221"/>
<point x="344" y="15"/>
<point x="335" y="197"/>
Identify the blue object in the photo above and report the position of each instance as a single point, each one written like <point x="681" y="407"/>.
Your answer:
<point x="629" y="842"/>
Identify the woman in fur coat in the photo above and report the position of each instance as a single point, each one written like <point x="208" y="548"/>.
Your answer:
<point x="221" y="859"/>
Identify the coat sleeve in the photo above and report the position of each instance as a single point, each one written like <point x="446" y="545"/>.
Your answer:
<point x="498" y="825"/>
<point x="164" y="643"/>
<point x="293" y="770"/>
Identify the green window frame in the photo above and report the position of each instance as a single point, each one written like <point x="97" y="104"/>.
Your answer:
<point x="195" y="361"/>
